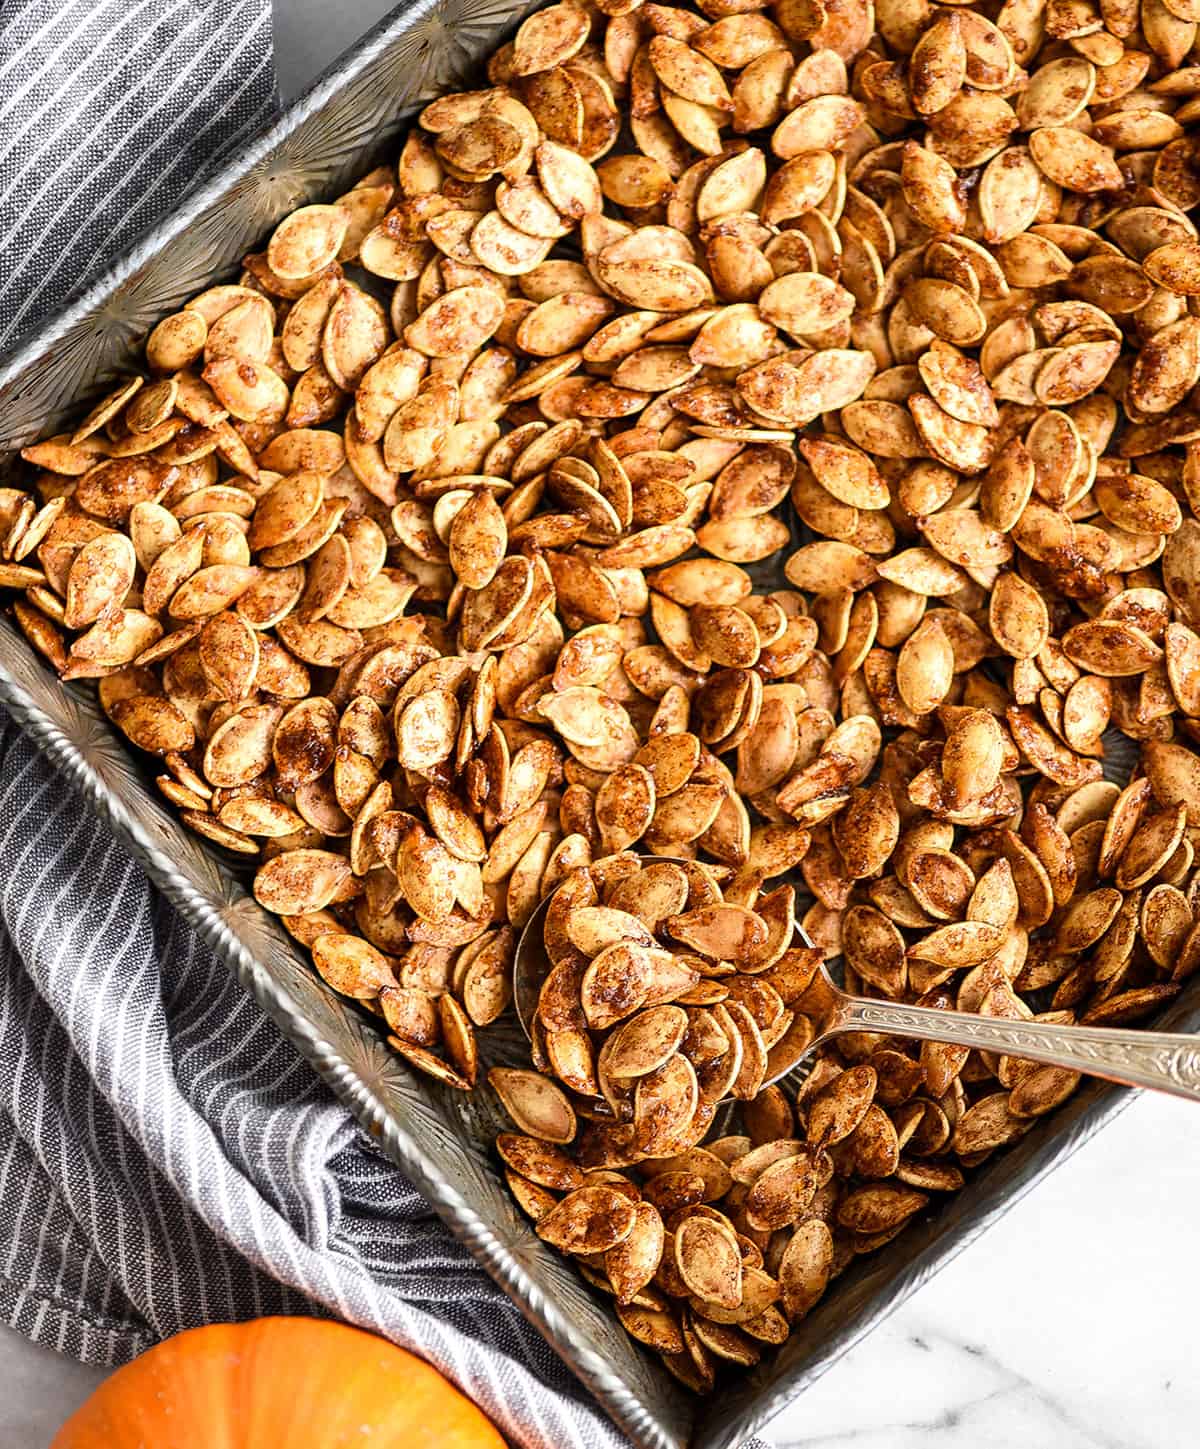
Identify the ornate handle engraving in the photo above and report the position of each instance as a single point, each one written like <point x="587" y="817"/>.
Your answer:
<point x="1163" y="1060"/>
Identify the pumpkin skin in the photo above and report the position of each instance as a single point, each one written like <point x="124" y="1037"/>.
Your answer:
<point x="275" y="1382"/>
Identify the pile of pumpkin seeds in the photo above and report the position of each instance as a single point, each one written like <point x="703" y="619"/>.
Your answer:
<point x="432" y="560"/>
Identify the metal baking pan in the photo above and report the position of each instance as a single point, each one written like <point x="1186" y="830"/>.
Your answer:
<point x="346" y="123"/>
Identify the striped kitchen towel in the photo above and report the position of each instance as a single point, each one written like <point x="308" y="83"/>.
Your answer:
<point x="167" y="1159"/>
<point x="109" y="112"/>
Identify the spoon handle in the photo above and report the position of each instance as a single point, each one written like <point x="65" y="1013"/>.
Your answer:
<point x="1166" y="1061"/>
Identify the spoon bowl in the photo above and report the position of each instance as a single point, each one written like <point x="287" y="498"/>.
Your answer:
<point x="1165" y="1061"/>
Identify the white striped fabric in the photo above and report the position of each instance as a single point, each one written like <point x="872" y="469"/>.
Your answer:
<point x="168" y="1159"/>
<point x="109" y="112"/>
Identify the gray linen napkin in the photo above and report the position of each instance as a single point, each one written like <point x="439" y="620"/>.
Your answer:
<point x="109" y="111"/>
<point x="166" y="1157"/>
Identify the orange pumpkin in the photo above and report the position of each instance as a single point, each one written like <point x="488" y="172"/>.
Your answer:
<point x="274" y="1382"/>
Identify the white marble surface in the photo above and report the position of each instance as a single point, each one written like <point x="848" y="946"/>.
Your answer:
<point x="1070" y="1326"/>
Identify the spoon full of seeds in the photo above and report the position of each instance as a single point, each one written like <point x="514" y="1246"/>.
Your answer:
<point x="641" y="982"/>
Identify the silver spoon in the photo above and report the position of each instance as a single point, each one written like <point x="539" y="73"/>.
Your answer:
<point x="1165" y="1061"/>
